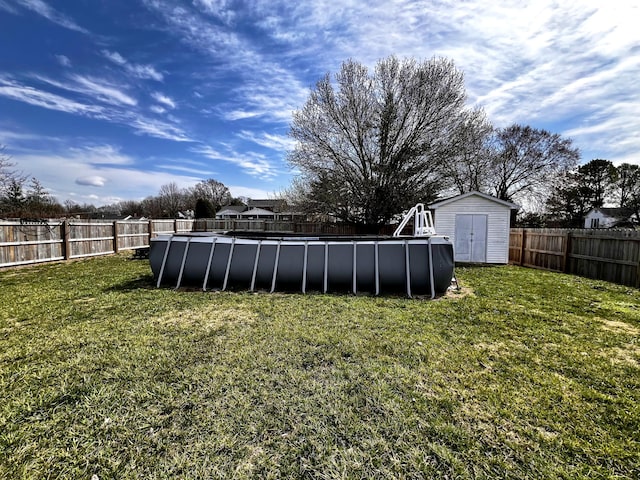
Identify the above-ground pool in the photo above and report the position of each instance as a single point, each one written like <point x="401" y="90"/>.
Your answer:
<point x="417" y="265"/>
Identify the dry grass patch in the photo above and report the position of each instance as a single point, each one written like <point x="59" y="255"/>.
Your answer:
<point x="208" y="317"/>
<point x="619" y="327"/>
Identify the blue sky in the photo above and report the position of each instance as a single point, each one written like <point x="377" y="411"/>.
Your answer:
<point x="107" y="100"/>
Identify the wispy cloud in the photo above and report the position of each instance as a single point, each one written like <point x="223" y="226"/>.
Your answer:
<point x="280" y="143"/>
<point x="163" y="99"/>
<point x="63" y="60"/>
<point x="102" y="90"/>
<point x="194" y="29"/>
<point x="202" y="172"/>
<point x="102" y="155"/>
<point x="270" y="90"/>
<point x="116" y="110"/>
<point x="7" y="7"/>
<point x="137" y="70"/>
<point x="48" y="12"/>
<point x="220" y="9"/>
<point x="159" y="129"/>
<point x="40" y="98"/>
<point x="252" y="163"/>
<point x="92" y="88"/>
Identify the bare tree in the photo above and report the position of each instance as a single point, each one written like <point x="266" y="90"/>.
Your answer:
<point x="172" y="199"/>
<point x="526" y="159"/>
<point x="628" y="188"/>
<point x="9" y="176"/>
<point x="469" y="165"/>
<point x="212" y="191"/>
<point x="374" y="144"/>
<point x="628" y="183"/>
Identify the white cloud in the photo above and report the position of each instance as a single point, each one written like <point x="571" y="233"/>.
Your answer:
<point x="252" y="163"/>
<point x="33" y="96"/>
<point x="201" y="172"/>
<point x="145" y="72"/>
<point x="63" y="60"/>
<point x="249" y="192"/>
<point x="158" y="129"/>
<point x="239" y="114"/>
<point x="279" y="143"/>
<point x="102" y="155"/>
<point x="7" y="8"/>
<point x="43" y="9"/>
<point x="221" y="9"/>
<point x="115" y="57"/>
<point x="92" y="181"/>
<point x="103" y="91"/>
<point x="163" y="99"/>
<point x="137" y="70"/>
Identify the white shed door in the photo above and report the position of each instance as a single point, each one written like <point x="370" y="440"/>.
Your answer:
<point x="471" y="238"/>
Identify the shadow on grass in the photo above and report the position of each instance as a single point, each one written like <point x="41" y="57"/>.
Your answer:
<point x="144" y="282"/>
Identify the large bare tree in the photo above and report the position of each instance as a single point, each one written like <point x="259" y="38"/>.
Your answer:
<point x="372" y="144"/>
<point x="213" y="191"/>
<point x="526" y="160"/>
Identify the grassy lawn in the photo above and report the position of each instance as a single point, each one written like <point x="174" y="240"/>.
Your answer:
<point x="531" y="375"/>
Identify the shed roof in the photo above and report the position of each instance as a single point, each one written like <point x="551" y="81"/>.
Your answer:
<point x="447" y="201"/>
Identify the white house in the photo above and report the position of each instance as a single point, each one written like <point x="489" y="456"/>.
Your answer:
<point x="607" y="217"/>
<point x="256" y="213"/>
<point x="477" y="224"/>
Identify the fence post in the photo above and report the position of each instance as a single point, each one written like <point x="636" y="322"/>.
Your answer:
<point x="115" y="237"/>
<point x="66" y="245"/>
<point x="567" y="252"/>
<point x="150" y="231"/>
<point x="523" y="246"/>
<point x="175" y="225"/>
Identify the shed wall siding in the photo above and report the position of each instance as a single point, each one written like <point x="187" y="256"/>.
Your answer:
<point x="498" y="222"/>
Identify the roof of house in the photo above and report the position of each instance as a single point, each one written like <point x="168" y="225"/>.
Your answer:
<point x="613" y="212"/>
<point x="232" y="208"/>
<point x="227" y="211"/>
<point x="449" y="200"/>
<point x="271" y="204"/>
<point x="257" y="212"/>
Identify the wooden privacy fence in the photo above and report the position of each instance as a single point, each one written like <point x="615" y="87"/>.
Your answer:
<point x="611" y="255"/>
<point x="23" y="243"/>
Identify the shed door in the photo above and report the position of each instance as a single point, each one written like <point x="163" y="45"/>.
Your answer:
<point x="471" y="238"/>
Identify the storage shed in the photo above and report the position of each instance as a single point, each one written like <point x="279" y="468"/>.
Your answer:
<point x="478" y="226"/>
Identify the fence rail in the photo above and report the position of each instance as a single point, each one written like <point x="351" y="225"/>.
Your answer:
<point x="611" y="255"/>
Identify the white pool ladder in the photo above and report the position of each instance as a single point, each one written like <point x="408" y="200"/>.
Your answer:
<point x="422" y="222"/>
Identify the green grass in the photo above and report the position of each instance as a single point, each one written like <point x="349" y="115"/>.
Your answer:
<point x="532" y="375"/>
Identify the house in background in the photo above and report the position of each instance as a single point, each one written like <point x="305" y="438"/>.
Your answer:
<point x="256" y="213"/>
<point x="268" y="209"/>
<point x="478" y="226"/>
<point x="230" y="211"/>
<point x="274" y="205"/>
<point x="608" y="218"/>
